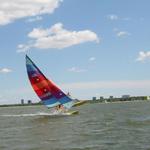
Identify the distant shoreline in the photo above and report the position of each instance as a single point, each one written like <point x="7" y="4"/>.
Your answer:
<point x="11" y="105"/>
<point x="88" y="101"/>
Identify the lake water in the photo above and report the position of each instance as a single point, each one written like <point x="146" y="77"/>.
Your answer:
<point x="110" y="126"/>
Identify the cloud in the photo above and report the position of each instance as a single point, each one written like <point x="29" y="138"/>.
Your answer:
<point x="143" y="56"/>
<point x="76" y="70"/>
<point x="112" y="17"/>
<point x="127" y="84"/>
<point x="16" y="9"/>
<point x="126" y="19"/>
<point x="92" y="59"/>
<point x="123" y="34"/>
<point x="33" y="19"/>
<point x="5" y="70"/>
<point x="23" y="48"/>
<point x="58" y="37"/>
<point x="116" y="30"/>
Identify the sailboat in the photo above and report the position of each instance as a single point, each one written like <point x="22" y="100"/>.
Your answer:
<point x="50" y="95"/>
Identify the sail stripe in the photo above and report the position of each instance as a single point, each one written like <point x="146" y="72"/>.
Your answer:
<point x="37" y="79"/>
<point x="42" y="92"/>
<point x="50" y="101"/>
<point x="31" y="68"/>
<point x="64" y="100"/>
<point x="53" y="105"/>
<point x="45" y="96"/>
<point x="68" y="104"/>
<point x="33" y="74"/>
<point x="40" y="85"/>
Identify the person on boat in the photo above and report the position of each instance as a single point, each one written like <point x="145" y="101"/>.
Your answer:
<point x="68" y="94"/>
<point x="60" y="108"/>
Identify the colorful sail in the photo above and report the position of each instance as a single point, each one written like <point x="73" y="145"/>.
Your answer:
<point x="46" y="90"/>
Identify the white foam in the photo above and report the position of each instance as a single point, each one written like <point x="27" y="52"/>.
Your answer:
<point x="36" y="114"/>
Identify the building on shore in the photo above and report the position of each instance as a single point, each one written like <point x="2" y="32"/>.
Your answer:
<point x="29" y="102"/>
<point x="125" y="96"/>
<point x="22" y="101"/>
<point x="94" y="98"/>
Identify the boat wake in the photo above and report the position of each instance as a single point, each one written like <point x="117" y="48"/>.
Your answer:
<point x="36" y="114"/>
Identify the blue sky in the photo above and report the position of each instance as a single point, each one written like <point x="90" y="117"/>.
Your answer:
<point x="89" y="48"/>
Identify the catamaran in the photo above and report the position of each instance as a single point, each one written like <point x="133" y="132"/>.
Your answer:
<point x="50" y="95"/>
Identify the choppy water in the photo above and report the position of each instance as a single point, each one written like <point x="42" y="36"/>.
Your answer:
<point x="111" y="126"/>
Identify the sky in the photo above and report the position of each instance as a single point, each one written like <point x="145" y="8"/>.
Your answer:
<point x="89" y="48"/>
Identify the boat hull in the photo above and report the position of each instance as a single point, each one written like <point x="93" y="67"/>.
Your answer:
<point x="72" y="112"/>
<point x="79" y="103"/>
